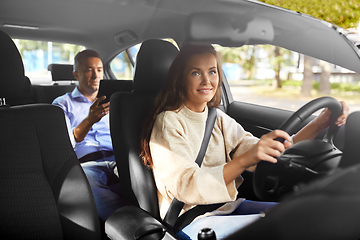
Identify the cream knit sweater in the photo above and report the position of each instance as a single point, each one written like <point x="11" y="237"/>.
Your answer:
<point x="175" y="142"/>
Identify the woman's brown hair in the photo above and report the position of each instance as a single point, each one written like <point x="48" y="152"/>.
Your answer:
<point x="173" y="95"/>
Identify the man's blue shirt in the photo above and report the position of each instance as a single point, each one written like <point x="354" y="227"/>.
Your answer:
<point x="76" y="108"/>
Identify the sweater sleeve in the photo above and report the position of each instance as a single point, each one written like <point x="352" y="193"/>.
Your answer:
<point x="237" y="140"/>
<point x="175" y="169"/>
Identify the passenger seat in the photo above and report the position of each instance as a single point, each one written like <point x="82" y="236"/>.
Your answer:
<point x="13" y="79"/>
<point x="44" y="191"/>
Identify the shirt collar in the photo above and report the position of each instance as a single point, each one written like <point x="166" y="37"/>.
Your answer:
<point x="76" y="94"/>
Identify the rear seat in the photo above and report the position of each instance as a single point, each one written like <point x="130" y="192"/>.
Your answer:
<point x="59" y="72"/>
<point x="25" y="97"/>
<point x="26" y="93"/>
<point x="63" y="72"/>
<point x="47" y="93"/>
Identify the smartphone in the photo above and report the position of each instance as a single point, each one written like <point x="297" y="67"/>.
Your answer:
<point x="103" y="90"/>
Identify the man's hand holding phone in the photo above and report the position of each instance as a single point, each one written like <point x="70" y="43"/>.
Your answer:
<point x="98" y="109"/>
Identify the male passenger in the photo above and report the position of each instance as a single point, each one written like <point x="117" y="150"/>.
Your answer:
<point x="88" y="126"/>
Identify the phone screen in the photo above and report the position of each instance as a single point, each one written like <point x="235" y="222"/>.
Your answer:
<point x="102" y="91"/>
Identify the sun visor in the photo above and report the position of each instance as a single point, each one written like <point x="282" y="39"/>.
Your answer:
<point x="229" y="29"/>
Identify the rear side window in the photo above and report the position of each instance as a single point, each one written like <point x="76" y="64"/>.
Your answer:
<point x="37" y="55"/>
<point x="122" y="66"/>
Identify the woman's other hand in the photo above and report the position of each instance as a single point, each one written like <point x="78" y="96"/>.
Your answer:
<point x="323" y="120"/>
<point x="268" y="148"/>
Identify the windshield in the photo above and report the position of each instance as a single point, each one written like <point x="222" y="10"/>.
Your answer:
<point x="276" y="77"/>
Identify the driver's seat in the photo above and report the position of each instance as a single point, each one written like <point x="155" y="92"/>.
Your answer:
<point x="127" y="114"/>
<point x="128" y="110"/>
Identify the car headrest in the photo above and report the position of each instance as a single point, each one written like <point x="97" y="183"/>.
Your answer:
<point x="12" y="79"/>
<point x="152" y="64"/>
<point x="61" y="72"/>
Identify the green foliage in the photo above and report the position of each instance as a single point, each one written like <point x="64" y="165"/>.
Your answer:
<point x="292" y="83"/>
<point x="343" y="13"/>
<point x="231" y="55"/>
<point x="244" y="56"/>
<point x="340" y="87"/>
<point x="28" y="45"/>
<point x="282" y="59"/>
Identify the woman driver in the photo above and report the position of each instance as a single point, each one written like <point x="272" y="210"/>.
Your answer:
<point x="174" y="133"/>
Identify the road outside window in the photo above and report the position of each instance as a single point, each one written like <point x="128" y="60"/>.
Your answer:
<point x="273" y="76"/>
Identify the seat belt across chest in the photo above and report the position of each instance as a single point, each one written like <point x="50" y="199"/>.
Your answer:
<point x="176" y="205"/>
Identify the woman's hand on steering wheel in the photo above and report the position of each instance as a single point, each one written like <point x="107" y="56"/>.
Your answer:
<point x="324" y="118"/>
<point x="322" y="121"/>
<point x="268" y="148"/>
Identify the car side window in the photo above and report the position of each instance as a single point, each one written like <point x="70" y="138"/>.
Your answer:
<point x="122" y="66"/>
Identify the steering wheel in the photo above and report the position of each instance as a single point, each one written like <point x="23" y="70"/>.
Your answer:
<point x="304" y="161"/>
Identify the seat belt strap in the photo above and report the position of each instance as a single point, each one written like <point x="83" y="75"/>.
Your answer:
<point x="209" y="126"/>
<point x="176" y="205"/>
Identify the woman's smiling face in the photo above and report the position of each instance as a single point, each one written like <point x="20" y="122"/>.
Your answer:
<point x="202" y="80"/>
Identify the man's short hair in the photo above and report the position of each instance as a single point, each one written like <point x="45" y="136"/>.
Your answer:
<point x="79" y="58"/>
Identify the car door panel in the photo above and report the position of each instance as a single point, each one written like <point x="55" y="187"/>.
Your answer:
<point x="258" y="119"/>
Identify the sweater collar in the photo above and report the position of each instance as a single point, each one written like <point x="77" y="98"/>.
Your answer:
<point x="195" y="116"/>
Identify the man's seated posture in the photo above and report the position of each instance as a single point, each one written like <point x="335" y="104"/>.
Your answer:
<point x="88" y="126"/>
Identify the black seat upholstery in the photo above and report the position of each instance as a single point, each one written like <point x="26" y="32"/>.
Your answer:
<point x="44" y="191"/>
<point x="15" y="85"/>
<point x="61" y="72"/>
<point x="26" y="95"/>
<point x="127" y="113"/>
<point x="47" y="93"/>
